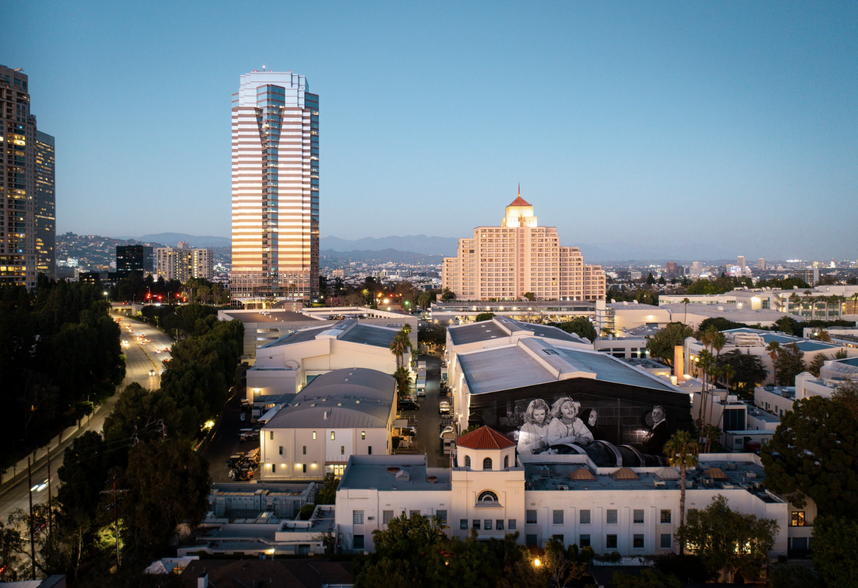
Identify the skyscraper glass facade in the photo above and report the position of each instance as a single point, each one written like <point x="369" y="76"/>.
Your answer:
<point x="275" y="188"/>
<point x="45" y="207"/>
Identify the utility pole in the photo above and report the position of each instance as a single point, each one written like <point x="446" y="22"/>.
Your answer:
<point x="32" y="537"/>
<point x="50" y="497"/>
<point x="115" y="509"/>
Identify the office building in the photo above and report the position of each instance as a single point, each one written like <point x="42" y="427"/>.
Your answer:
<point x="183" y="263"/>
<point x="761" y="263"/>
<point x="45" y="206"/>
<point x="18" y="199"/>
<point x="134" y="259"/>
<point x="741" y="263"/>
<point x="519" y="258"/>
<point x="275" y="188"/>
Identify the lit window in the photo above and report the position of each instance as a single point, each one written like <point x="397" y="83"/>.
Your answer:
<point x="797" y="518"/>
<point x="332" y="436"/>
<point x="363" y="435"/>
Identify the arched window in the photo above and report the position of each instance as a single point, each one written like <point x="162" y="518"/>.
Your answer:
<point x="467" y="461"/>
<point x="487" y="463"/>
<point x="489" y="497"/>
<point x="505" y="461"/>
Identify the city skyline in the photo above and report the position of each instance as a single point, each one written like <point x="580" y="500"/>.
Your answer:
<point x="676" y="119"/>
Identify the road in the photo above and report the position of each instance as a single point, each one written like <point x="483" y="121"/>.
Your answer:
<point x="428" y="419"/>
<point x="141" y="360"/>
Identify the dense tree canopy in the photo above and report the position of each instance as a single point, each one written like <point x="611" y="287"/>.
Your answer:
<point x="835" y="550"/>
<point x="748" y="370"/>
<point x="580" y="325"/>
<point x="789" y="362"/>
<point x="661" y="345"/>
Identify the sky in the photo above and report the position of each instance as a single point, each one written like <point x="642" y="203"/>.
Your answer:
<point x="703" y="128"/>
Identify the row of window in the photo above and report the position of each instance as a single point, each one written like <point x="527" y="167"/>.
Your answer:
<point x="342" y="450"/>
<point x="333" y="435"/>
<point x="611" y="517"/>
<point x="611" y="542"/>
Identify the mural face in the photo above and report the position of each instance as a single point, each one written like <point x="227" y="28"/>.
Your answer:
<point x="613" y="426"/>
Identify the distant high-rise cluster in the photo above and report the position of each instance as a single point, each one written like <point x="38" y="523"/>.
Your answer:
<point x="275" y="188"/>
<point x="182" y="263"/>
<point x="518" y="258"/>
<point x="27" y="197"/>
<point x="133" y="259"/>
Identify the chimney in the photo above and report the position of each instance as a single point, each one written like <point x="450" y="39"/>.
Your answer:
<point x="203" y="581"/>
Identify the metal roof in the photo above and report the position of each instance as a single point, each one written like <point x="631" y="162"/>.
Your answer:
<point x="347" y="398"/>
<point x="385" y="472"/>
<point x="370" y="335"/>
<point x="348" y="330"/>
<point x="481" y="331"/>
<point x="502" y="368"/>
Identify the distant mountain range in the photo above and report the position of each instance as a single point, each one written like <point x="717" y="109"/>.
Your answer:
<point x="412" y="243"/>
<point x="172" y="239"/>
<point x="331" y="257"/>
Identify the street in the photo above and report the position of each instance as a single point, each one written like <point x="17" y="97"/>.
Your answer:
<point x="428" y="419"/>
<point x="140" y="359"/>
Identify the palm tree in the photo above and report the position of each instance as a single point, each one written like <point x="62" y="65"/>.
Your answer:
<point x="682" y="450"/>
<point x="706" y="362"/>
<point x="772" y="348"/>
<point x="719" y="340"/>
<point x="400" y="346"/>
<point x="685" y="301"/>
<point x="403" y="381"/>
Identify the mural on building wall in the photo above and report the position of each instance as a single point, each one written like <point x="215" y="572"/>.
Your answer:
<point x="613" y="430"/>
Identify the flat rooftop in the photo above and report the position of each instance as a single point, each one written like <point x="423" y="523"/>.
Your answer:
<point x="386" y="472"/>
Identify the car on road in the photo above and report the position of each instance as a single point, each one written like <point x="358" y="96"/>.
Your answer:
<point x="444" y="407"/>
<point x="151" y="372"/>
<point x="408" y="405"/>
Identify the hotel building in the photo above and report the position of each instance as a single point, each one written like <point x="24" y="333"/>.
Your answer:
<point x="519" y="257"/>
<point x="275" y="188"/>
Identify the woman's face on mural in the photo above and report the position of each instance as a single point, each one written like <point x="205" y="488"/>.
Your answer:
<point x="567" y="410"/>
<point x="539" y="415"/>
<point x="591" y="420"/>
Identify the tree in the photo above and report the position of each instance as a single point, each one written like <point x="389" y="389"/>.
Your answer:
<point x="159" y="472"/>
<point x="841" y="354"/>
<point x="580" y="325"/>
<point x="327" y="494"/>
<point x="685" y="303"/>
<point x="403" y="381"/>
<point x="648" y="579"/>
<point x="748" y="370"/>
<point x="812" y="454"/>
<point x="530" y="296"/>
<point x="790" y="363"/>
<point x="816" y="364"/>
<point x="400" y="345"/>
<point x="484" y="316"/>
<point x="835" y="550"/>
<point x="560" y="567"/>
<point x="682" y="450"/>
<point x="661" y="345"/>
<point x="728" y="541"/>
<point x="447" y="295"/>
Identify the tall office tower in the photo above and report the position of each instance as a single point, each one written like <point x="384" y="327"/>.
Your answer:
<point x="134" y="259"/>
<point x="275" y="188"/>
<point x="182" y="263"/>
<point x="696" y="269"/>
<point x="761" y="263"/>
<point x="45" y="208"/>
<point x="17" y="181"/>
<point x="741" y="263"/>
<point x="520" y="257"/>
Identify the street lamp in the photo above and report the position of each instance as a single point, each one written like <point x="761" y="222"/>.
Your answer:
<point x="106" y="300"/>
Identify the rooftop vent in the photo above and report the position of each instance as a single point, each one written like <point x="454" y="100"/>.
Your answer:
<point x="625" y="474"/>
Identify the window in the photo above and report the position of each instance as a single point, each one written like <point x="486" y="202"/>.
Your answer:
<point x="499" y="524"/>
<point x="332" y="436"/>
<point x="639" y="517"/>
<point x="487" y="524"/>
<point x="442" y="514"/>
<point x="369" y="450"/>
<point x="666" y="541"/>
<point x="342" y="449"/>
<point x="271" y="435"/>
<point x="796" y="518"/>
<point x="584" y="541"/>
<point x="476" y="524"/>
<point x="612" y="516"/>
<point x="530" y="540"/>
<point x="557" y="538"/>
<point x="487" y="463"/>
<point x="358" y="541"/>
<point x="357" y="517"/>
<point x="463" y="524"/>
<point x="304" y="450"/>
<point x="488" y="497"/>
<point x="531" y="517"/>
<point x="665" y="516"/>
<point x="511" y="525"/>
<point x="386" y="516"/>
<point x="363" y="435"/>
<point x="584" y="517"/>
<point x="611" y="542"/>
<point x="467" y="461"/>
<point x="281" y="450"/>
<point x="505" y="461"/>
<point x="638" y="541"/>
<point x="558" y="517"/>
<point x="305" y="468"/>
<point x="314" y="435"/>
<point x="273" y="467"/>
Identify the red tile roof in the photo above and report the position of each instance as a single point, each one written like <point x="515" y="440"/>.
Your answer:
<point x="520" y="202"/>
<point x="485" y="438"/>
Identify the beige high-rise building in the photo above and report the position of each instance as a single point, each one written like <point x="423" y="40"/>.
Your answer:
<point x="275" y="188"/>
<point x="182" y="263"/>
<point x="520" y="257"/>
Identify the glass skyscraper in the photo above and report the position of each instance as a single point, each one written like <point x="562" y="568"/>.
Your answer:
<point x="45" y="208"/>
<point x="275" y="188"/>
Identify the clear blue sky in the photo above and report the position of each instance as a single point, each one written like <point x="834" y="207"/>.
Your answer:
<point x="696" y="127"/>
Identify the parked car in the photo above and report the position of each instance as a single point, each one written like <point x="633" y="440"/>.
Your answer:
<point x="444" y="407"/>
<point x="408" y="405"/>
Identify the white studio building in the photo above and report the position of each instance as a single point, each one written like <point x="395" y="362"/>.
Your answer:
<point x="634" y="511"/>
<point x="339" y="414"/>
<point x="285" y="366"/>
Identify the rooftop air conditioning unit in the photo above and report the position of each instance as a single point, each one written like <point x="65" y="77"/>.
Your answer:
<point x="562" y="487"/>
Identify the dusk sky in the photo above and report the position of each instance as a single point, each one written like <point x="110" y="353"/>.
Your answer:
<point x="702" y="128"/>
